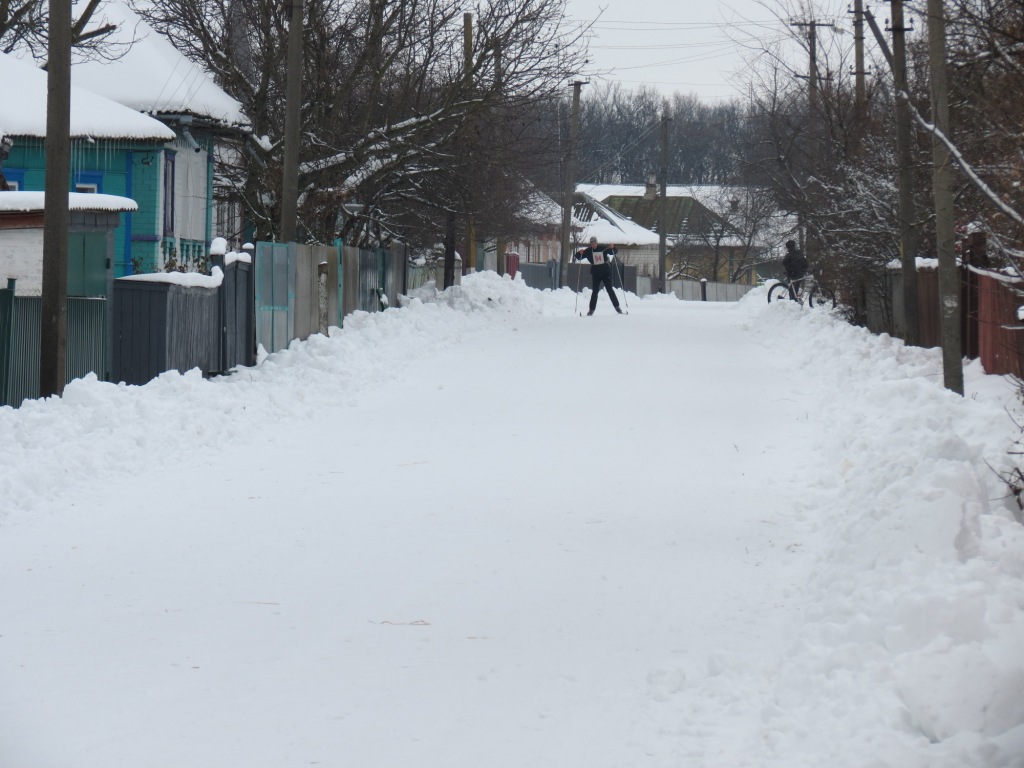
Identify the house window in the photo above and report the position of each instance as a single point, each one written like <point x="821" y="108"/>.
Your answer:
<point x="88" y="181"/>
<point x="169" y="194"/>
<point x="15" y="178"/>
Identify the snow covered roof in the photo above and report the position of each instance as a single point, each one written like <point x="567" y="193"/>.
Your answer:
<point x="541" y="210"/>
<point x="704" y="193"/>
<point x="153" y="76"/>
<point x="610" y="226"/>
<point x="23" y="109"/>
<point x="12" y="202"/>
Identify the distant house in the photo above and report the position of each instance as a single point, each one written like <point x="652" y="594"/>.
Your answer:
<point x="540" y="231"/>
<point x="114" y="150"/>
<point x="725" y="234"/>
<point x="172" y="181"/>
<point x="636" y="245"/>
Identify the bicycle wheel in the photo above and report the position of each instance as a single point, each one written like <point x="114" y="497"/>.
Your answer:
<point x="778" y="292"/>
<point x="822" y="297"/>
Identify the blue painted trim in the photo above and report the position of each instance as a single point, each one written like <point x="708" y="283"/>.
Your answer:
<point x="16" y="174"/>
<point x="129" y="265"/>
<point x="146" y="238"/>
<point x="89" y="177"/>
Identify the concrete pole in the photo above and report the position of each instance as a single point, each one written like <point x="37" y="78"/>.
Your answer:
<point x="56" y="216"/>
<point x="860" y="87"/>
<point x="942" y="183"/>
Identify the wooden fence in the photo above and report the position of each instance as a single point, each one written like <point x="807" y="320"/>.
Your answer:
<point x="990" y="329"/>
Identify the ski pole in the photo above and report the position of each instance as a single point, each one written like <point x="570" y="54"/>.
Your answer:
<point x="621" y="284"/>
<point x="576" y="311"/>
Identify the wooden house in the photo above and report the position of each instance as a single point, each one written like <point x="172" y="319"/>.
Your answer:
<point x="169" y="172"/>
<point x="115" y="151"/>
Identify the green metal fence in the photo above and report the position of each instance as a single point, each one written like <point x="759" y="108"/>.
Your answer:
<point x="20" y="341"/>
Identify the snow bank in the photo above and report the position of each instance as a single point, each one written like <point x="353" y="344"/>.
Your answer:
<point x="913" y="618"/>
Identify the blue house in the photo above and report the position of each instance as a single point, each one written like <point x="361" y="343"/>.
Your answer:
<point x="114" y="150"/>
<point x="169" y="172"/>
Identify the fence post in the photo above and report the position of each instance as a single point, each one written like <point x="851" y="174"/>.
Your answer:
<point x="703" y="289"/>
<point x="6" y="340"/>
<point x="321" y="280"/>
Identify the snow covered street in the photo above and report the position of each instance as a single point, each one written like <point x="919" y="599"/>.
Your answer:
<point x="483" y="531"/>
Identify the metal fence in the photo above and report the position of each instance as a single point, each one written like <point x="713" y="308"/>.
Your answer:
<point x="20" y="342"/>
<point x="700" y="290"/>
<point x="160" y="327"/>
<point x="275" y="295"/>
<point x="237" y="316"/>
<point x="540" y="275"/>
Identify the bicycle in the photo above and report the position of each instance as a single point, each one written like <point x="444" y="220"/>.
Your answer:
<point x="806" y="290"/>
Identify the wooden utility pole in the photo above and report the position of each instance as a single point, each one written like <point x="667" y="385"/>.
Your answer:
<point x="897" y="61"/>
<point x="467" y="74"/>
<point x="663" y="203"/>
<point x="813" y="125"/>
<point x="942" y="183"/>
<point x="56" y="216"/>
<point x="905" y="160"/>
<point x="292" y="120"/>
<point x="569" y="188"/>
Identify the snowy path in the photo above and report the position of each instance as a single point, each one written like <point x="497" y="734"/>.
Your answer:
<point x="550" y="541"/>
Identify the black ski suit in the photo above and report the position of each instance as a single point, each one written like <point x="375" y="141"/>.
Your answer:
<point x="600" y="258"/>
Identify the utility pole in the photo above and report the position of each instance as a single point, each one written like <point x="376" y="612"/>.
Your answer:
<point x="56" y="218"/>
<point x="292" y="119"/>
<point x="860" y="87"/>
<point x="663" y="203"/>
<point x="467" y="74"/>
<point x="896" y="59"/>
<point x="569" y="189"/>
<point x="813" y="122"/>
<point x="942" y="184"/>
<point x="905" y="160"/>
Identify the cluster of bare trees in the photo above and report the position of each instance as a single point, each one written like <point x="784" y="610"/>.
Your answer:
<point x="619" y="141"/>
<point x="411" y="120"/>
<point x="832" y="147"/>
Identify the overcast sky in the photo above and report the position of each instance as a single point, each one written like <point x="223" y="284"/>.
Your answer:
<point x="687" y="46"/>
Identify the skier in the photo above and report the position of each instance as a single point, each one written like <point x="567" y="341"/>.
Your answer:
<point x="600" y="259"/>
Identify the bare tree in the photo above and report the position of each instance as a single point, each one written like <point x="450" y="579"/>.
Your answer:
<point x="24" y="25"/>
<point x="392" y="118"/>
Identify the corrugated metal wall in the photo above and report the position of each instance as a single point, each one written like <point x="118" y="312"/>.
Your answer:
<point x="275" y="295"/>
<point x="307" y="259"/>
<point x="20" y="341"/>
<point x="542" y="276"/>
<point x="238" y="316"/>
<point x="161" y="327"/>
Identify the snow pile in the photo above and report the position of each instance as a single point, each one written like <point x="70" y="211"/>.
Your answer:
<point x="914" y="616"/>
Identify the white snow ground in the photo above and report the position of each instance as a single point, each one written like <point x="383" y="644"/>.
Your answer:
<point x="482" y="531"/>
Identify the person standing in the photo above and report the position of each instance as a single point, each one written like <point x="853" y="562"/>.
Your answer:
<point x="600" y="258"/>
<point x="795" y="264"/>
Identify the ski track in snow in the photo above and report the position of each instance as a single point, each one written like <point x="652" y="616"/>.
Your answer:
<point x="479" y="530"/>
